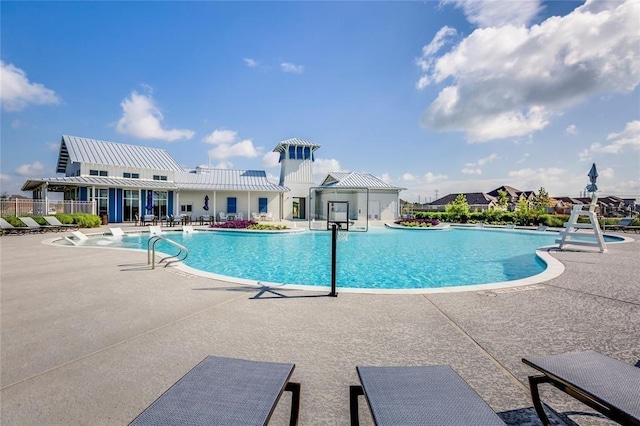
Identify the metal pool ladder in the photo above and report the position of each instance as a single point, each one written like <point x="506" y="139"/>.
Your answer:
<point x="182" y="254"/>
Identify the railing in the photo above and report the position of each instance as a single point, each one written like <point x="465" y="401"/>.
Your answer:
<point x="29" y="207"/>
<point x="182" y="254"/>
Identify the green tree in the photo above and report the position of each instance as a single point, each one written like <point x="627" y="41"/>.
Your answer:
<point x="458" y="210"/>
<point x="541" y="200"/>
<point x="522" y="213"/>
<point x="503" y="200"/>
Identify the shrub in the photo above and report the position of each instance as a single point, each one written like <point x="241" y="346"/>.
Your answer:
<point x="420" y="223"/>
<point x="65" y="218"/>
<point x="85" y="220"/>
<point x="266" y="227"/>
<point x="234" y="224"/>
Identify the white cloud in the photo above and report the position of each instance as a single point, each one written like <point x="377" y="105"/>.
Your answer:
<point x="606" y="173"/>
<point x="5" y="178"/>
<point x="29" y="170"/>
<point x="221" y="137"/>
<point x="489" y="159"/>
<point x="385" y="177"/>
<point x="271" y="159"/>
<point x="491" y="13"/>
<point x="141" y="118"/>
<point x="510" y="81"/>
<point x="17" y="92"/>
<point x="244" y="148"/>
<point x="292" y="68"/>
<point x="524" y="158"/>
<point x="251" y="63"/>
<point x="571" y="130"/>
<point x="223" y="165"/>
<point x="408" y="177"/>
<point x="471" y="171"/>
<point x="630" y="137"/>
<point x="322" y="167"/>
<point x="431" y="178"/>
<point x="53" y="146"/>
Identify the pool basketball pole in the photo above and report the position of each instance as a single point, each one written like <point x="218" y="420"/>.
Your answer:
<point x="334" y="244"/>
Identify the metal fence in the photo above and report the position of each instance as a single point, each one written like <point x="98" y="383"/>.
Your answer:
<point x="26" y="207"/>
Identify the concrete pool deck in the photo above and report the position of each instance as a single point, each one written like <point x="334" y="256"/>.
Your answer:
<point x="93" y="336"/>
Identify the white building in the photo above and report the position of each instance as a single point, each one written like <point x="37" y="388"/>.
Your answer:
<point x="128" y="181"/>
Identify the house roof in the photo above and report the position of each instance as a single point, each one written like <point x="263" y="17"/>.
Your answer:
<point x="228" y="180"/>
<point x="282" y="146"/>
<point x="83" y="150"/>
<point x="473" y="198"/>
<point x="356" y="180"/>
<point x="58" y="182"/>
<point x="513" y="192"/>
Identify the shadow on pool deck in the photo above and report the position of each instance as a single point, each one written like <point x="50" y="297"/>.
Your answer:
<point x="85" y="342"/>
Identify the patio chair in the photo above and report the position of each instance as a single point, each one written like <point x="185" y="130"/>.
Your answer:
<point x="607" y="385"/>
<point x="222" y="216"/>
<point x="225" y="391"/>
<point x="116" y="232"/>
<point x="79" y="238"/>
<point x="8" y="228"/>
<point x="620" y="226"/>
<point x="35" y="226"/>
<point x="52" y="220"/>
<point x="426" y="395"/>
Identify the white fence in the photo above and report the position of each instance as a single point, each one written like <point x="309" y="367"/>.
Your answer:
<point x="26" y="207"/>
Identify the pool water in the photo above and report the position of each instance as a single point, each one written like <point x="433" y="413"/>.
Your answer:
<point x="378" y="259"/>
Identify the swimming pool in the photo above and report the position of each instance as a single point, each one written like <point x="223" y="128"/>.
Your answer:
<point x="378" y="259"/>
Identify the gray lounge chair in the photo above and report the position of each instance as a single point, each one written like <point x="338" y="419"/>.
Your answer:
<point x="605" y="384"/>
<point x="426" y="395"/>
<point x="8" y="228"/>
<point x="35" y="226"/>
<point x="224" y="391"/>
<point x="620" y="226"/>
<point x="52" y="220"/>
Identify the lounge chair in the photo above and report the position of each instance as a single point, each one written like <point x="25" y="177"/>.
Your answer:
<point x="426" y="395"/>
<point x="222" y="216"/>
<point x="148" y="218"/>
<point x="511" y="226"/>
<point x="117" y="232"/>
<point x="225" y="391"/>
<point x="620" y="226"/>
<point x="542" y="228"/>
<point x="155" y="230"/>
<point x="605" y="384"/>
<point x="8" y="228"/>
<point x="187" y="229"/>
<point x="52" y="220"/>
<point x="35" y="226"/>
<point x="79" y="238"/>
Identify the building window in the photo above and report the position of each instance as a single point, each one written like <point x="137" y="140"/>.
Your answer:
<point x="232" y="205"/>
<point x="299" y="153"/>
<point x="307" y="153"/>
<point x="159" y="177"/>
<point x="131" y="205"/>
<point x="186" y="208"/>
<point x="93" y="173"/>
<point x="103" y="173"/>
<point x="292" y="152"/>
<point x="262" y="205"/>
<point x="131" y="175"/>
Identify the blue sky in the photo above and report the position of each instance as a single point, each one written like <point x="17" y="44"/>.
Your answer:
<point x="446" y="96"/>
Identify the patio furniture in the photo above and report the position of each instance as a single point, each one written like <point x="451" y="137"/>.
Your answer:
<point x="52" y="220"/>
<point x="426" y="395"/>
<point x="79" y="238"/>
<point x="222" y="216"/>
<point x="116" y="232"/>
<point x="155" y="230"/>
<point x="607" y="385"/>
<point x="225" y="391"/>
<point x="8" y="228"/>
<point x="205" y="219"/>
<point x="187" y="229"/>
<point x="622" y="225"/>
<point x="35" y="226"/>
<point x="541" y="228"/>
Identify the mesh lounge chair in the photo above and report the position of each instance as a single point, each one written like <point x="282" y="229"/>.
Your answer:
<point x="8" y="228"/>
<point x="52" y="220"/>
<point x="605" y="384"/>
<point x="35" y="226"/>
<point x="426" y="395"/>
<point x="225" y="391"/>
<point x="621" y="225"/>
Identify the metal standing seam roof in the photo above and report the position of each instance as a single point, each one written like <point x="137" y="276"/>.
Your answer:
<point x="83" y="150"/>
<point x="32" y="184"/>
<point x="227" y="179"/>
<point x="356" y="180"/>
<point x="295" y="141"/>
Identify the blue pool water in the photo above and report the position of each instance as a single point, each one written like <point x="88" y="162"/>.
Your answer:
<point x="378" y="259"/>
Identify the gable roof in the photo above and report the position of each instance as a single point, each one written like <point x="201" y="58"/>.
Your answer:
<point x="82" y="150"/>
<point x="356" y="180"/>
<point x="513" y="192"/>
<point x="227" y="179"/>
<point x="473" y="198"/>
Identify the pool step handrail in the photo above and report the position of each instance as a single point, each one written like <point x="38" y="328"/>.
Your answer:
<point x="182" y="254"/>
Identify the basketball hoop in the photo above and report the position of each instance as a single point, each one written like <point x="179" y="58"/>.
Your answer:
<point x="343" y="236"/>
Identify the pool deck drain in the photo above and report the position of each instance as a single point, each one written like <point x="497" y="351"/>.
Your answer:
<point x="87" y="340"/>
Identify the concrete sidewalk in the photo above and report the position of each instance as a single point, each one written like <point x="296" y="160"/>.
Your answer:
<point x="93" y="336"/>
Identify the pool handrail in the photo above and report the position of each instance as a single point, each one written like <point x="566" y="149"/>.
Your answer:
<point x="151" y="251"/>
